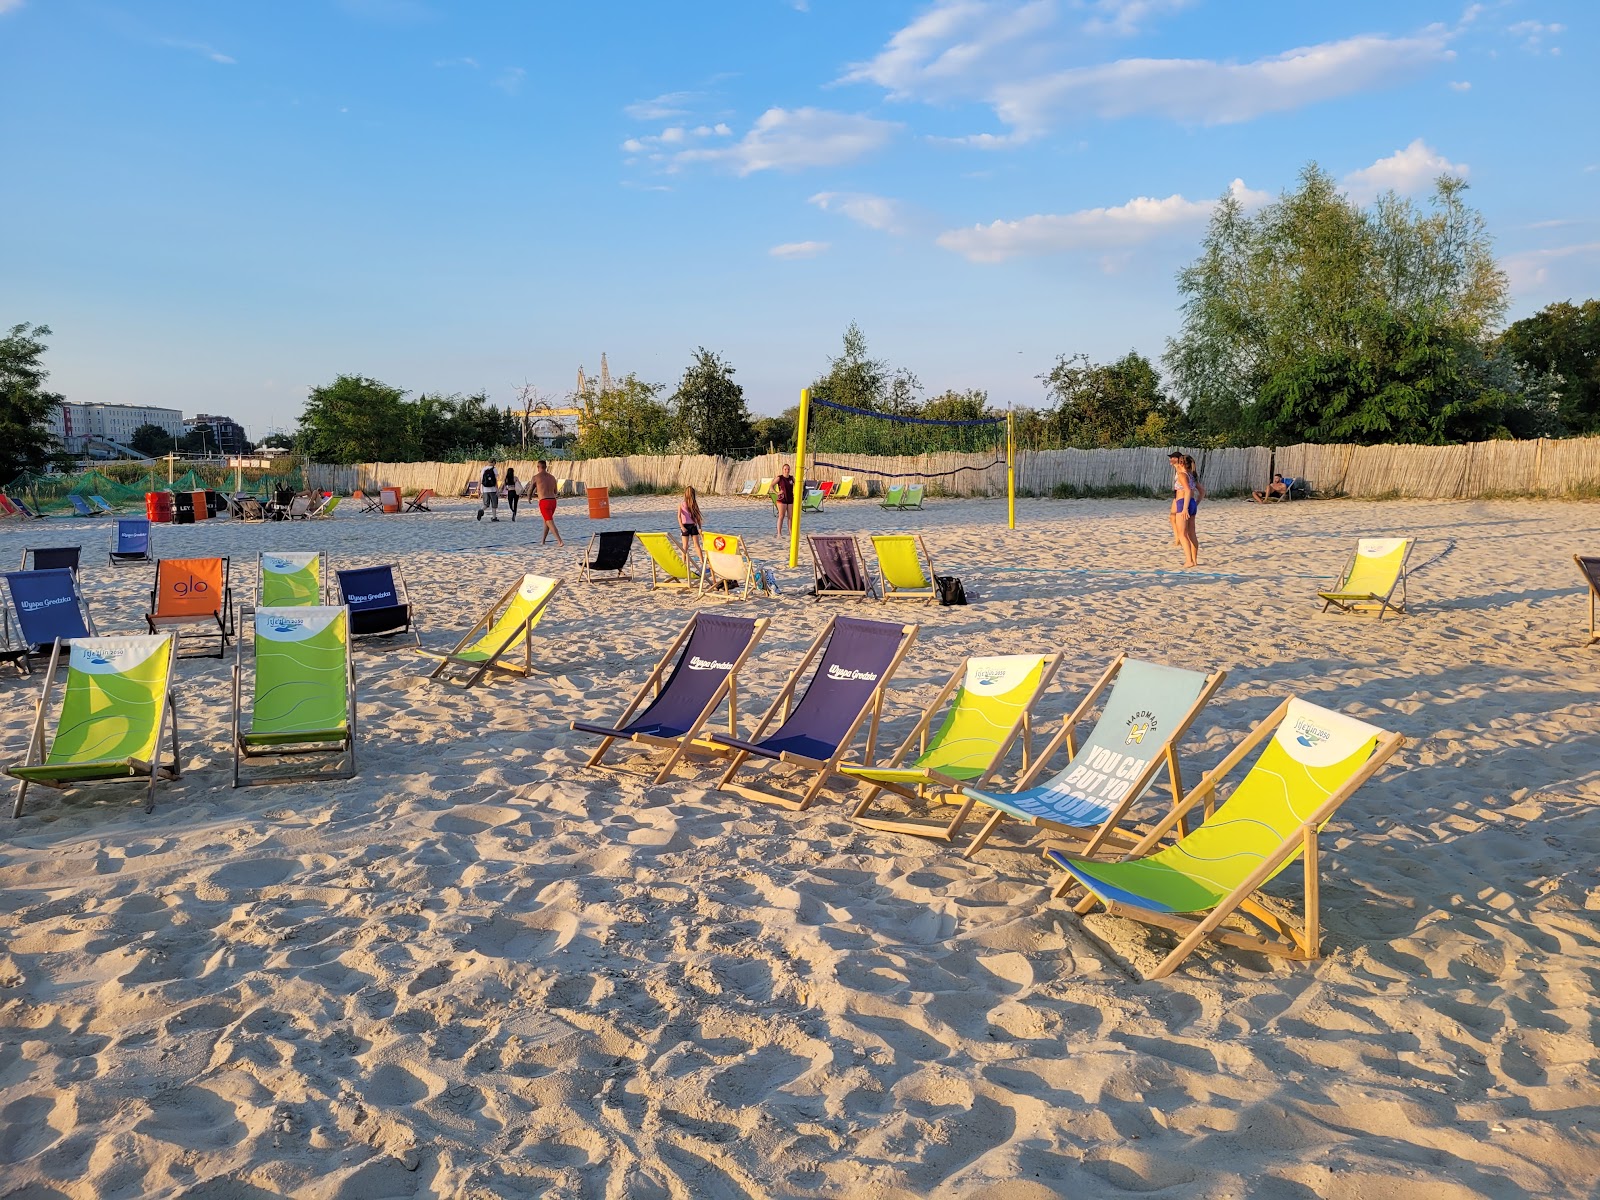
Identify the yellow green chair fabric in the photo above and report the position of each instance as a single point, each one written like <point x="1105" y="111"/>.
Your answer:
<point x="507" y="625"/>
<point x="904" y="567"/>
<point x="1370" y="578"/>
<point x="289" y="579"/>
<point x="667" y="567"/>
<point x="303" y="687"/>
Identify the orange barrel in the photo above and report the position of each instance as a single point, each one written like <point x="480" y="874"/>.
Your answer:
<point x="200" y="510"/>
<point x="158" y="507"/>
<point x="599" y="503"/>
<point x="391" y="499"/>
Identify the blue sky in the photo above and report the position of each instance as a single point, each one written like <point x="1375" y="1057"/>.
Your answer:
<point x="218" y="205"/>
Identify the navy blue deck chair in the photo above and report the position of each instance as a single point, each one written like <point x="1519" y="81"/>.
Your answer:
<point x="379" y="603"/>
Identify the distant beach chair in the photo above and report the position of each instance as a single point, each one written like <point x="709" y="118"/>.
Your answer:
<point x="991" y="702"/>
<point x="507" y="624"/>
<point x="912" y="497"/>
<point x="290" y="579"/>
<point x="303" y="692"/>
<point x="299" y="509"/>
<point x="854" y="662"/>
<point x="705" y="660"/>
<point x="826" y="488"/>
<point x="380" y="605"/>
<point x="28" y="510"/>
<point x="1590" y="568"/>
<point x="8" y="508"/>
<point x="117" y="698"/>
<point x="325" y="509"/>
<point x="893" y="497"/>
<point x="104" y="506"/>
<point x="607" y="553"/>
<point x="766" y="486"/>
<point x="667" y="567"/>
<point x="1314" y="762"/>
<point x="80" y="506"/>
<point x="1370" y="578"/>
<point x="1146" y="715"/>
<point x="368" y="503"/>
<point x="905" y="568"/>
<point x="812" y="500"/>
<point x="728" y="567"/>
<point x="749" y="488"/>
<point x="48" y="607"/>
<point x="189" y="592"/>
<point x="474" y="489"/>
<point x="249" y="508"/>
<point x="52" y="558"/>
<point x="841" y="571"/>
<point x="419" y="502"/>
<point x="133" y="542"/>
<point x="847" y="485"/>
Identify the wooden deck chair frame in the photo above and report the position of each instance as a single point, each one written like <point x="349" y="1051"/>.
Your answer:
<point x="868" y="592"/>
<point x="921" y="490"/>
<point x="764" y="490"/>
<point x="710" y="581"/>
<point x="895" y="492"/>
<point x="826" y="768"/>
<point x="930" y="595"/>
<point x="1283" y="937"/>
<point x="586" y="570"/>
<point x="325" y="509"/>
<point x="749" y="488"/>
<point x="944" y="786"/>
<point x="346" y="767"/>
<point x="1581" y="559"/>
<point x="76" y="568"/>
<point x="402" y="596"/>
<point x="483" y="624"/>
<point x="166" y="714"/>
<point x="223" y="614"/>
<point x="812" y="500"/>
<point x="680" y="746"/>
<point x="1384" y="602"/>
<point x="658" y="575"/>
<point x="1109" y="831"/>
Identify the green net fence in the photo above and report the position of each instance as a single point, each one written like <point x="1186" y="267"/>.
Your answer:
<point x="123" y="488"/>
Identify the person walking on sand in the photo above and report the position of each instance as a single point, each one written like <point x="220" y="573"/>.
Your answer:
<point x="689" y="522"/>
<point x="545" y="488"/>
<point x="1183" y="506"/>
<point x="509" y="482"/>
<point x="783" y="497"/>
<point x="489" y="492"/>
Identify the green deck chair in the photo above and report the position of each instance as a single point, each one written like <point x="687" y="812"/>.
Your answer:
<point x="506" y="625"/>
<point x="905" y="567"/>
<point x="303" y="691"/>
<point x="117" y="697"/>
<point x="991" y="700"/>
<point x="667" y="566"/>
<point x="912" y="497"/>
<point x="290" y="580"/>
<point x="1370" y="578"/>
<point x="893" y="497"/>
<point x="1314" y="762"/>
<point x="812" y="500"/>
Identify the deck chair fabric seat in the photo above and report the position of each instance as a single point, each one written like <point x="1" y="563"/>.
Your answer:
<point x="812" y="500"/>
<point x="103" y="506"/>
<point x="847" y="485"/>
<point x="749" y="488"/>
<point x="905" y="568"/>
<point x="289" y="579"/>
<point x="133" y="542"/>
<point x="991" y="701"/>
<point x="325" y="509"/>
<point x="841" y="571"/>
<point x="507" y="624"/>
<point x="1314" y="759"/>
<point x="1149" y="709"/>
<point x="192" y="592"/>
<point x="51" y="558"/>
<point x="49" y="607"/>
<point x="607" y="554"/>
<point x="80" y="506"/>
<point x="705" y="659"/>
<point x="419" y="502"/>
<point x="302" y="691"/>
<point x="1589" y="568"/>
<point x="893" y="497"/>
<point x="728" y="566"/>
<point x="115" y="703"/>
<point x="765" y="488"/>
<point x="368" y="503"/>
<point x="667" y="566"/>
<point x="1370" y="578"/>
<point x="379" y="603"/>
<point x="855" y="660"/>
<point x="912" y="498"/>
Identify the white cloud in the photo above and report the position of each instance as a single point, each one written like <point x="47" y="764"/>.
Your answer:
<point x="1126" y="17"/>
<point x="9" y="6"/>
<point x="1531" y="268"/>
<point x="674" y="135"/>
<point x="1534" y="34"/>
<point x="1460" y="85"/>
<point x="1006" y="54"/>
<point x="1097" y="229"/>
<point x="793" y="139"/>
<point x="666" y="107"/>
<point x="875" y="212"/>
<point x="457" y="62"/>
<point x="1406" y="171"/>
<point x="199" y="48"/>
<point x="510" y="80"/>
<point x="798" y="249"/>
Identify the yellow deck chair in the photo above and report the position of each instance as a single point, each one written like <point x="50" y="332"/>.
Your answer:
<point x="507" y="624"/>
<point x="1315" y="761"/>
<point x="766" y="486"/>
<point x="667" y="568"/>
<point x="729" y="569"/>
<point x="846" y="485"/>
<point x="990" y="702"/>
<point x="1370" y="578"/>
<point x="904" y="567"/>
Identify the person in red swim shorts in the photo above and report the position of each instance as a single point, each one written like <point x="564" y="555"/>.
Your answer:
<point x="545" y="488"/>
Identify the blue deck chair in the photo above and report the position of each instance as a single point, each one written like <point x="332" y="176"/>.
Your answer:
<point x="81" y="506"/>
<point x="133" y="542"/>
<point x="103" y="506"/>
<point x="379" y="604"/>
<point x="50" y="558"/>
<point x="47" y="606"/>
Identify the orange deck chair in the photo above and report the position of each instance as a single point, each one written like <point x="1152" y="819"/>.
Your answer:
<point x="192" y="591"/>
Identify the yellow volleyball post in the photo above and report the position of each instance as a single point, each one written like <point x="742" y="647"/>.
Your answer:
<point x="800" y="479"/>
<point x="1011" y="470"/>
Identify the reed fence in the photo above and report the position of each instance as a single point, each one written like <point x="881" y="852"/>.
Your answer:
<point x="1548" y="467"/>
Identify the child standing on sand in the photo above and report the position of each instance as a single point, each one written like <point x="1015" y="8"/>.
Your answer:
<point x="689" y="523"/>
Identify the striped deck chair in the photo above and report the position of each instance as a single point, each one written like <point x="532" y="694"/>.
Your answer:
<point x="990" y="703"/>
<point x="303" y="692"/>
<point x="1314" y="762"/>
<point x="841" y="571"/>
<point x="1370" y="578"/>
<point x="133" y="542"/>
<point x="117" y="698"/>
<point x="667" y="568"/>
<point x="815" y="732"/>
<point x="507" y="624"/>
<point x="913" y="496"/>
<point x="192" y="591"/>
<point x="905" y="568"/>
<point x="1149" y="710"/>
<point x="893" y="497"/>
<point x="729" y="569"/>
<point x="52" y="558"/>
<point x="290" y="579"/>
<point x="379" y="603"/>
<point x="705" y="659"/>
<point x="9" y="509"/>
<point x="847" y="485"/>
<point x="1590" y="569"/>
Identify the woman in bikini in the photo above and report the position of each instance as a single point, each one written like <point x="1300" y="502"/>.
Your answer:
<point x="689" y="523"/>
<point x="1186" y="501"/>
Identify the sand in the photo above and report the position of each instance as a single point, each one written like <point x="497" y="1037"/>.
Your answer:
<point x="478" y="969"/>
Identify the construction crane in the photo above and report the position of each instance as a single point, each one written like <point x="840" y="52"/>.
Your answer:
<point x="535" y="413"/>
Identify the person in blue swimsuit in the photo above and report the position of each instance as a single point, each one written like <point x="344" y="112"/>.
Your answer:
<point x="1184" y="505"/>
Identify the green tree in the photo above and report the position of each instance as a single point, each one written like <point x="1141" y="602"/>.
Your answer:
<point x="710" y="407"/>
<point x="628" y="419"/>
<point x="356" y="419"/>
<point x="151" y="440"/>
<point x="1099" y="405"/>
<point x="1563" y="340"/>
<point x="778" y="432"/>
<point x="854" y="377"/>
<point x="26" y="443"/>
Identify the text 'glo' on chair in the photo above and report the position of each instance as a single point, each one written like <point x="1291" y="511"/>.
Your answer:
<point x="192" y="592"/>
<point x="704" y="659"/>
<point x="505" y="625"/>
<point x="302" y="688"/>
